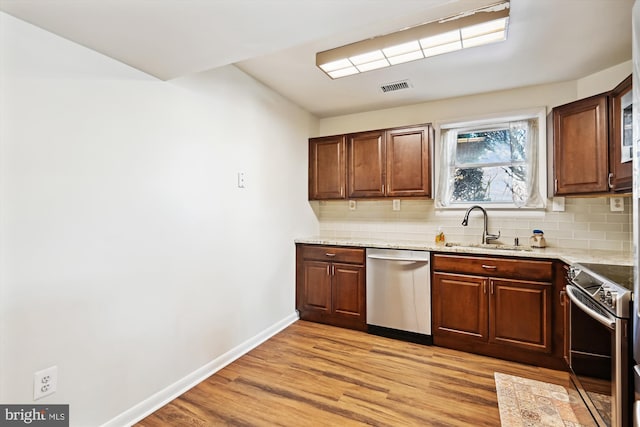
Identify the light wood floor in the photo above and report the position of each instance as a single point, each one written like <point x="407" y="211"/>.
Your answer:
<point x="318" y="375"/>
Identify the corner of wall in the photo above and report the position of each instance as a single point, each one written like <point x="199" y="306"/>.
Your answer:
<point x="603" y="81"/>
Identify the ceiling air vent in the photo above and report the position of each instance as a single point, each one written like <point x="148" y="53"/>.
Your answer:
<point x="394" y="86"/>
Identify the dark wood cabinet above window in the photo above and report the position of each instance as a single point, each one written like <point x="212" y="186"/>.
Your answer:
<point x="381" y="163"/>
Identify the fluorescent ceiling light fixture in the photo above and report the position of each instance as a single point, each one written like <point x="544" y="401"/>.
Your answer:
<point x="473" y="28"/>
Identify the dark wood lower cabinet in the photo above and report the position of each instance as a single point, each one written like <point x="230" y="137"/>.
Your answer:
<point x="520" y="314"/>
<point x="501" y="317"/>
<point x="330" y="285"/>
<point x="508" y="308"/>
<point x="460" y="306"/>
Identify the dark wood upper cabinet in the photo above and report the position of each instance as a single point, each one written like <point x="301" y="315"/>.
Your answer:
<point x="408" y="171"/>
<point x="327" y="168"/>
<point x="587" y="145"/>
<point x="621" y="137"/>
<point x="580" y="147"/>
<point x="366" y="167"/>
<point x="374" y="164"/>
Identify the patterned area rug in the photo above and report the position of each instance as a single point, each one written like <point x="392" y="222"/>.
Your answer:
<point x="529" y="403"/>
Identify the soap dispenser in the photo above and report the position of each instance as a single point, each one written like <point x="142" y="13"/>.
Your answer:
<point x="537" y="240"/>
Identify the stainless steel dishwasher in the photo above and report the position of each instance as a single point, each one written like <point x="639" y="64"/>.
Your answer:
<point x="399" y="294"/>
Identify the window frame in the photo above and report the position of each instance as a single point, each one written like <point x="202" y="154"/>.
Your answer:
<point x="496" y="120"/>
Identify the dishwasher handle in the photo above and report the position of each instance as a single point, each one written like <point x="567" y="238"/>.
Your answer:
<point x="393" y="258"/>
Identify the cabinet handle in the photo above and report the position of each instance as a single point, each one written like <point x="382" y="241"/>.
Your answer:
<point x="329" y="254"/>
<point x="491" y="287"/>
<point x="333" y="270"/>
<point x="555" y="186"/>
<point x="328" y="270"/>
<point x="562" y="297"/>
<point x="609" y="180"/>
<point x="484" y="287"/>
<point x="489" y="267"/>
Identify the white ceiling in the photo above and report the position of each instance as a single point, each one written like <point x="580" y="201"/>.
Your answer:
<point x="276" y="40"/>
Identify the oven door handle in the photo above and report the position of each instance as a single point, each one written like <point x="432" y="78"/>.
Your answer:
<point x="608" y="321"/>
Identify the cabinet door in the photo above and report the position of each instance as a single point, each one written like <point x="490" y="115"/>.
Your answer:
<point x="348" y="291"/>
<point x="520" y="314"/>
<point x="581" y="160"/>
<point x="316" y="293"/>
<point x="460" y="306"/>
<point x="327" y="168"/>
<point x="366" y="153"/>
<point x="621" y="137"/>
<point x="407" y="162"/>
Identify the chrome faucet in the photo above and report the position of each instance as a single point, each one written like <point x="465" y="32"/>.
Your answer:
<point x="485" y="235"/>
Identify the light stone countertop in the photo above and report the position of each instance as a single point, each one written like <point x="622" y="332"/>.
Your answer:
<point x="569" y="256"/>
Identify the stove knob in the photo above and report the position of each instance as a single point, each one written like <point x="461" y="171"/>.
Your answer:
<point x="572" y="273"/>
<point x="601" y="295"/>
<point x="614" y="297"/>
<point x="608" y="300"/>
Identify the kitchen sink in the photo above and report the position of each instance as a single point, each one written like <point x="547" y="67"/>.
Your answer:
<point x="496" y="246"/>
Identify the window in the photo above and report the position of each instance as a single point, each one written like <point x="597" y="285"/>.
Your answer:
<point x="491" y="163"/>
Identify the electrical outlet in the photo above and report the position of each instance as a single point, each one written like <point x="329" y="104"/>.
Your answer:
<point x="45" y="382"/>
<point x="558" y="204"/>
<point x="616" y="204"/>
<point x="352" y="205"/>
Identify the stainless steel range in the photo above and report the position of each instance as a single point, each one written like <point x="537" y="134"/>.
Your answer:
<point x="600" y="343"/>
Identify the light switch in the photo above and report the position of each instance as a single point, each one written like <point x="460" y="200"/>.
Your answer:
<point x="240" y="179"/>
<point x="396" y="204"/>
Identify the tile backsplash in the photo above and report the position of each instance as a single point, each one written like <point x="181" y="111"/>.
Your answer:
<point x="585" y="223"/>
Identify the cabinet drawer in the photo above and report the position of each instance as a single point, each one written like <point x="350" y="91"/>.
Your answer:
<point x="333" y="253"/>
<point x="494" y="267"/>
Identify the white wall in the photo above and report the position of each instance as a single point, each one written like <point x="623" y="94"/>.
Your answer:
<point x="128" y="256"/>
<point x="604" y="80"/>
<point x="549" y="96"/>
<point x="452" y="109"/>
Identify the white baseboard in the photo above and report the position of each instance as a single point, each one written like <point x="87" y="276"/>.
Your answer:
<point x="158" y="400"/>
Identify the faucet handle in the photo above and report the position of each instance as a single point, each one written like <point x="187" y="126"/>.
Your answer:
<point x="493" y="236"/>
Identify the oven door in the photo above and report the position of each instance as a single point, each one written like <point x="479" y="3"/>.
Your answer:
<point x="598" y="358"/>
